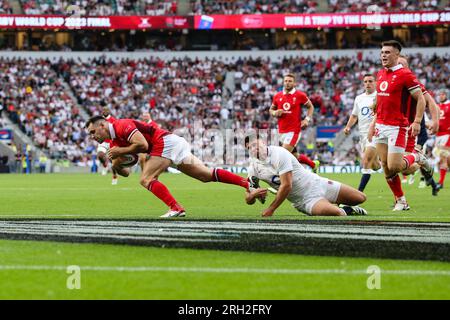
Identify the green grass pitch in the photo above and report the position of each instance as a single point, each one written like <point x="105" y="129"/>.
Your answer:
<point x="36" y="270"/>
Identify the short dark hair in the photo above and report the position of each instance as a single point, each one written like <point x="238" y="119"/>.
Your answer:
<point x="94" y="119"/>
<point x="369" y="75"/>
<point x="251" y="137"/>
<point x="392" y="43"/>
<point x="291" y="75"/>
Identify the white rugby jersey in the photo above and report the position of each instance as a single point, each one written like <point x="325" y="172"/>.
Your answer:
<point x="278" y="162"/>
<point x="362" y="108"/>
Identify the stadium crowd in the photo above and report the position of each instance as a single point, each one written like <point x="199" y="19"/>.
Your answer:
<point x="381" y="6"/>
<point x="184" y="93"/>
<point x="252" y="7"/>
<point x="37" y="100"/>
<point x="5" y="7"/>
<point x="199" y="7"/>
<point x="100" y="7"/>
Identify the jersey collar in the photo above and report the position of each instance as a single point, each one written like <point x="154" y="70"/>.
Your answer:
<point x="111" y="131"/>
<point x="395" y="68"/>
<point x="290" y="92"/>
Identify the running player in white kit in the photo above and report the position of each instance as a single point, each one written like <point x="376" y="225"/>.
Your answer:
<point x="308" y="192"/>
<point x="363" y="114"/>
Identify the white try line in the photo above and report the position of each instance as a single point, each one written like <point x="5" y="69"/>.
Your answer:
<point x="222" y="270"/>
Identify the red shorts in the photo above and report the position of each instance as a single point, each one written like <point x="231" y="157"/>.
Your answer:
<point x="410" y="142"/>
<point x="290" y="138"/>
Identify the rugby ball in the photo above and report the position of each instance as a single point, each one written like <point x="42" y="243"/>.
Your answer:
<point x="128" y="160"/>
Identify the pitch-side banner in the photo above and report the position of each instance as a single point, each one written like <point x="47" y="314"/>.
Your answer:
<point x="335" y="20"/>
<point x="112" y="22"/>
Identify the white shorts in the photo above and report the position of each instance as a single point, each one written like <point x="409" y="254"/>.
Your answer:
<point x="442" y="148"/>
<point x="364" y="142"/>
<point x="393" y="136"/>
<point x="290" y="138"/>
<point x="172" y="147"/>
<point x="103" y="147"/>
<point x="443" y="141"/>
<point x="322" y="189"/>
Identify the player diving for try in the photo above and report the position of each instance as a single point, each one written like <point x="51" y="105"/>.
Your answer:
<point x="131" y="137"/>
<point x="308" y="192"/>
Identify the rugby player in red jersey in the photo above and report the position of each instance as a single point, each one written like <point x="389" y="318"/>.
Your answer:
<point x="443" y="137"/>
<point x="287" y="107"/>
<point x="415" y="143"/>
<point x="165" y="149"/>
<point x="390" y="124"/>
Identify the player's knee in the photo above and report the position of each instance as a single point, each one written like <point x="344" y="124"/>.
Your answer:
<point x="145" y="181"/>
<point x="205" y="177"/>
<point x="360" y="197"/>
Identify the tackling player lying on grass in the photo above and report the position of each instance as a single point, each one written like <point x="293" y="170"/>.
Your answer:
<point x="308" y="192"/>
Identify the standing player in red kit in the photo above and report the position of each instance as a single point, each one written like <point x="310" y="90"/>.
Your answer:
<point x="164" y="148"/>
<point x="390" y="125"/>
<point x="287" y="107"/>
<point x="443" y="137"/>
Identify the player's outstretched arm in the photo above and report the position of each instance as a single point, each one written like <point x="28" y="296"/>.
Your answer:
<point x="283" y="191"/>
<point x="250" y="197"/>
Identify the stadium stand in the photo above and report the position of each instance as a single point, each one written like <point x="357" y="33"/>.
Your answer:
<point x="100" y="8"/>
<point x="200" y="7"/>
<point x="180" y="92"/>
<point x="252" y="7"/>
<point x="381" y="6"/>
<point x="5" y="7"/>
<point x="37" y="102"/>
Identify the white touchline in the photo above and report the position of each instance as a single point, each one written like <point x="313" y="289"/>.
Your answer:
<point x="223" y="270"/>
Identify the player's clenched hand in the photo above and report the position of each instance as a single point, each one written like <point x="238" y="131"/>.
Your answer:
<point x="433" y="127"/>
<point x="346" y="130"/>
<point x="259" y="193"/>
<point x="415" y="129"/>
<point x="304" y="123"/>
<point x="278" y="113"/>
<point x="267" y="212"/>
<point x="113" y="153"/>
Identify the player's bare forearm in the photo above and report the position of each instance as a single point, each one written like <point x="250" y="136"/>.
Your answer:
<point x="418" y="95"/>
<point x="351" y="122"/>
<point x="133" y="148"/>
<point x="310" y="111"/>
<point x="282" y="194"/>
<point x="283" y="191"/>
<point x="433" y="107"/>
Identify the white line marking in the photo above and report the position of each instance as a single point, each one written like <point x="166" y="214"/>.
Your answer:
<point x="222" y="270"/>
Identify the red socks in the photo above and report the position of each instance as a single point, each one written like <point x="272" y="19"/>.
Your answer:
<point x="304" y="159"/>
<point x="396" y="185"/>
<point x="442" y="176"/>
<point x="409" y="159"/>
<point x="224" y="176"/>
<point x="161" y="191"/>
